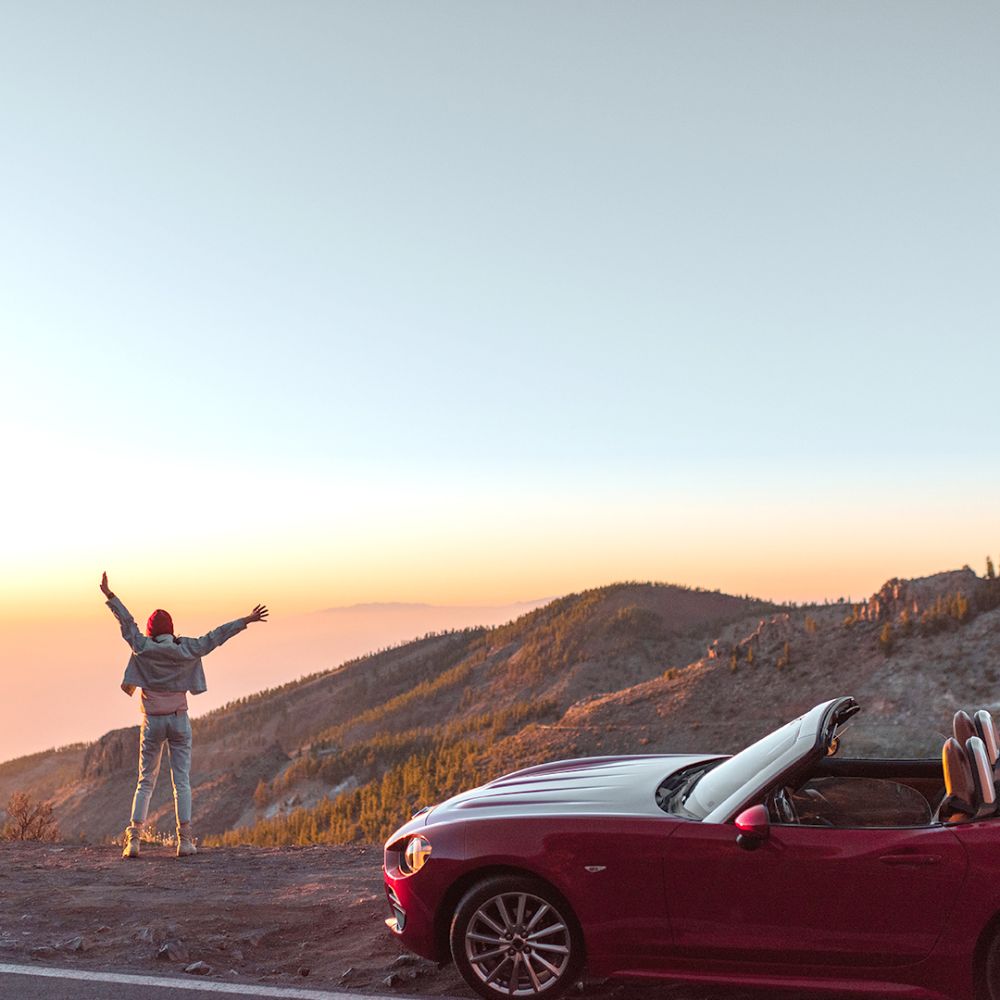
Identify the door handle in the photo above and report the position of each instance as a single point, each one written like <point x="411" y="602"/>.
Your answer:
<point x="910" y="859"/>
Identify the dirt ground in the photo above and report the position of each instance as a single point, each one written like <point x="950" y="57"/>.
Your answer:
<point x="290" y="916"/>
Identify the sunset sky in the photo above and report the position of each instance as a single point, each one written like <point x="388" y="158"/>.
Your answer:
<point x="326" y="303"/>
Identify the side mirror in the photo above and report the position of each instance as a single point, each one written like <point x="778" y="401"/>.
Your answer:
<point x="754" y="827"/>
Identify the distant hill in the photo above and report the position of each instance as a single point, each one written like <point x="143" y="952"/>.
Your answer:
<point x="634" y="667"/>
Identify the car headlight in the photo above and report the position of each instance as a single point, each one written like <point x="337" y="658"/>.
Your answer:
<point x="415" y="855"/>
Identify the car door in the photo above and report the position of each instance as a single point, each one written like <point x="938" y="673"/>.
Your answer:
<point x="811" y="895"/>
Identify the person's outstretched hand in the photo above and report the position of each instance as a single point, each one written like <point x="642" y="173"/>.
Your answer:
<point x="259" y="614"/>
<point x="105" y="589"/>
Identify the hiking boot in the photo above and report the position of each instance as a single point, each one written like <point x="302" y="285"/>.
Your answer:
<point x="185" y="844"/>
<point x="130" y="848"/>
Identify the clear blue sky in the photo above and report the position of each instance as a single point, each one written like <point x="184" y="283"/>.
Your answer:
<point x="617" y="261"/>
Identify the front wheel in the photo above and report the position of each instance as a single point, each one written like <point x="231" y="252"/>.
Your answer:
<point x="515" y="937"/>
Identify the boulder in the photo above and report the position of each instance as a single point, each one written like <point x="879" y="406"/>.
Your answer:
<point x="173" y="951"/>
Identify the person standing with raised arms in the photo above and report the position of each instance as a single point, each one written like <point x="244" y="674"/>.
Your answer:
<point x="165" y="667"/>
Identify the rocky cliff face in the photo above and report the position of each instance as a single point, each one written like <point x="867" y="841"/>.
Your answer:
<point x="113" y="752"/>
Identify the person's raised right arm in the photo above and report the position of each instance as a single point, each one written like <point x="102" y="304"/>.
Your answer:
<point x="130" y="631"/>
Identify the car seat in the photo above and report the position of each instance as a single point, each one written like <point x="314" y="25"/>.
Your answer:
<point x="986" y="730"/>
<point x="961" y="802"/>
<point x="962" y="727"/>
<point x="982" y="777"/>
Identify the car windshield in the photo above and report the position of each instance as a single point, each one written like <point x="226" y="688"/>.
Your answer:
<point x="718" y="784"/>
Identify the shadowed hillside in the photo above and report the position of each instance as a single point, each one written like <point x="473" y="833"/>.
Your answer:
<point x="347" y="754"/>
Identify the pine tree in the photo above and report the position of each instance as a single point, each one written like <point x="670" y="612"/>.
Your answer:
<point x="905" y="622"/>
<point x="886" y="639"/>
<point x="961" y="610"/>
<point x="991" y="573"/>
<point x="261" y="794"/>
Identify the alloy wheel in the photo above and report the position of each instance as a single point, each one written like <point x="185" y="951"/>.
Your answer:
<point x="518" y="944"/>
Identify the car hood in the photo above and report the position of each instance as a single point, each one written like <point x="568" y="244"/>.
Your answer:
<point x="590" y="785"/>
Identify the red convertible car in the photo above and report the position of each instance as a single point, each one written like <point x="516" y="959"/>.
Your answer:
<point x="784" y="866"/>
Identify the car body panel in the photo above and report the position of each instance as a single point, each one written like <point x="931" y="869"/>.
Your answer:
<point x="551" y="822"/>
<point x="874" y="911"/>
<point x="601" y="867"/>
<point x="813" y="896"/>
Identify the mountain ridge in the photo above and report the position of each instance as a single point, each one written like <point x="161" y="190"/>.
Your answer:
<point x="344" y="753"/>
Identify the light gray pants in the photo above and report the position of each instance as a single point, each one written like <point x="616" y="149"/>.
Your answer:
<point x="175" y="731"/>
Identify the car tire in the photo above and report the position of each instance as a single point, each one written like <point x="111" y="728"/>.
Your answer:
<point x="516" y="937"/>
<point x="990" y="969"/>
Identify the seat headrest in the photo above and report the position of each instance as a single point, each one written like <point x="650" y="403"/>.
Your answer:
<point x="961" y="799"/>
<point x="982" y="776"/>
<point x="986" y="730"/>
<point x="962" y="727"/>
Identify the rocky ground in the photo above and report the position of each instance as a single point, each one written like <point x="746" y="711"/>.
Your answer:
<point x="289" y="916"/>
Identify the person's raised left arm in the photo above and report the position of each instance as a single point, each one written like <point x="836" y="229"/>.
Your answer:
<point x="212" y="640"/>
<point x="259" y="614"/>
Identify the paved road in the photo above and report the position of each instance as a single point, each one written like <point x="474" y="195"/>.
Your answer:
<point x="33" y="982"/>
<point x="29" y="982"/>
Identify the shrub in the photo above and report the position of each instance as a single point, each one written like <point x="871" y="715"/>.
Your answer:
<point x="29" y="820"/>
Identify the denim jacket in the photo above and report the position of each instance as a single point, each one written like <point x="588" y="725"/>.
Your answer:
<point x="163" y="663"/>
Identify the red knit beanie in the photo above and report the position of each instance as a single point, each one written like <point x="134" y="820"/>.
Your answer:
<point x="159" y="623"/>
